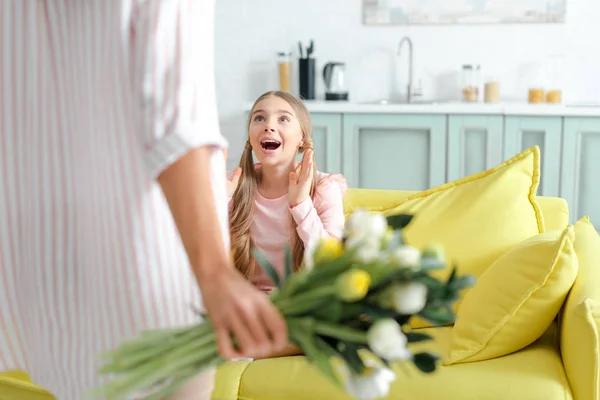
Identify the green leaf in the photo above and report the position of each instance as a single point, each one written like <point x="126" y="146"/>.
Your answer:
<point x="331" y="312"/>
<point x="452" y="274"/>
<point x="402" y="319"/>
<point x="266" y="266"/>
<point x="350" y="354"/>
<point x="438" y="317"/>
<point x="352" y="311"/>
<point x="340" y="332"/>
<point x="426" y="362"/>
<point x="290" y="285"/>
<point x="316" y="356"/>
<point x="414" y="337"/>
<point x="429" y="263"/>
<point x="386" y="275"/>
<point x="289" y="264"/>
<point x="432" y="284"/>
<point x="375" y="312"/>
<point x="399" y="221"/>
<point x="324" y="274"/>
<point x="327" y="345"/>
<point x="462" y="282"/>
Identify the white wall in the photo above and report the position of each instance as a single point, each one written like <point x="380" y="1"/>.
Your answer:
<point x="249" y="33"/>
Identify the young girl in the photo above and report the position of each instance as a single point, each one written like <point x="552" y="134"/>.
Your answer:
<point x="278" y="200"/>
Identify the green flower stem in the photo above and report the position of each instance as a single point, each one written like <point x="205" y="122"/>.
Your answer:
<point x="128" y="361"/>
<point x="162" y="368"/>
<point x="340" y="332"/>
<point x="155" y="339"/>
<point x="306" y="301"/>
<point x="136" y="349"/>
<point x="301" y="334"/>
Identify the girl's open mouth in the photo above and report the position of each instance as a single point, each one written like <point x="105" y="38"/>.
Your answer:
<point x="270" y="145"/>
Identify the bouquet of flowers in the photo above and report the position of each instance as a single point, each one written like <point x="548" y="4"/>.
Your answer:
<point x="348" y="310"/>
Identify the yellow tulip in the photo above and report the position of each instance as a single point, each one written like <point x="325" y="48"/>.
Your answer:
<point x="353" y="285"/>
<point x="328" y="249"/>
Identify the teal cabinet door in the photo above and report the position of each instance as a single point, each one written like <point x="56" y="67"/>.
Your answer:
<point x="580" y="182"/>
<point x="327" y="141"/>
<point x="521" y="133"/>
<point x="474" y="144"/>
<point x="391" y="151"/>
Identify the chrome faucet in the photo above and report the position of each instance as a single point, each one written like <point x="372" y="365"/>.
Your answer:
<point x="410" y="92"/>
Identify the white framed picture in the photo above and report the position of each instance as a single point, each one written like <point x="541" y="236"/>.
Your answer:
<point x="435" y="12"/>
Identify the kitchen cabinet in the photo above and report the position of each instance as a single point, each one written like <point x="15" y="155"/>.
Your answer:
<point x="522" y="132"/>
<point x="474" y="144"/>
<point x="326" y="132"/>
<point x="389" y="151"/>
<point x="580" y="183"/>
<point x="419" y="146"/>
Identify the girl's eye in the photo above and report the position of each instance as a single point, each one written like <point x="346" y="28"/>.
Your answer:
<point x="258" y="118"/>
<point x="284" y="119"/>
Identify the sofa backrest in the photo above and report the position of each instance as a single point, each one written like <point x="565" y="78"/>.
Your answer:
<point x="554" y="209"/>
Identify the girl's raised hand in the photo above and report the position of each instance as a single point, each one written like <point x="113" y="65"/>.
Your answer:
<point x="301" y="180"/>
<point x="233" y="182"/>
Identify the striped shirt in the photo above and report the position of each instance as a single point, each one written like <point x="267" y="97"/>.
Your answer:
<point x="97" y="97"/>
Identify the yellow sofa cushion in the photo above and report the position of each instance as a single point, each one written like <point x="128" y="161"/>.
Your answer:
<point x="580" y="346"/>
<point x="555" y="210"/>
<point x="515" y="299"/>
<point x="479" y="217"/>
<point x="17" y="385"/>
<point x="533" y="373"/>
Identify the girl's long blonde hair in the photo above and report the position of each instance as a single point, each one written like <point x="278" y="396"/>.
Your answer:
<point x="241" y="214"/>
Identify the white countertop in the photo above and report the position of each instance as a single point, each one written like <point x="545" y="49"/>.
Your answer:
<point x="452" y="107"/>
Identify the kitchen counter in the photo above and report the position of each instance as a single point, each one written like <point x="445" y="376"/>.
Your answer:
<point x="452" y="107"/>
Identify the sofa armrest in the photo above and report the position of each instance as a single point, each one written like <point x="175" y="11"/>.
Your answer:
<point x="580" y="319"/>
<point x="228" y="381"/>
<point x="15" y="385"/>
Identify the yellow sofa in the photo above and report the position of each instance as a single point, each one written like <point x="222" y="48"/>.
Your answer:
<point x="535" y="372"/>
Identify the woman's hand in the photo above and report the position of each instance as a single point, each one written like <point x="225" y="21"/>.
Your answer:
<point x="239" y="310"/>
<point x="301" y="180"/>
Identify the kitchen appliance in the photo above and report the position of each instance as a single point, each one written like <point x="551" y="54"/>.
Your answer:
<point x="334" y="75"/>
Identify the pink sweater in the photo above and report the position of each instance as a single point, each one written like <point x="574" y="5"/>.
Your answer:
<point x="271" y="228"/>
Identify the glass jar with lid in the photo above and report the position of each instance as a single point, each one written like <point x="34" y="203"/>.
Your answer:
<point x="470" y="82"/>
<point x="491" y="89"/>
<point x="284" y="61"/>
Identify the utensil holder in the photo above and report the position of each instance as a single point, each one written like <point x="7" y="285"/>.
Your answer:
<point x="306" y="74"/>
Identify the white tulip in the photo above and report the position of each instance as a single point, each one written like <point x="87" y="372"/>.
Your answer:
<point x="387" y="340"/>
<point x="368" y="249"/>
<point x="373" y="383"/>
<point x="363" y="224"/>
<point x="408" y="298"/>
<point x="367" y="254"/>
<point x="406" y="256"/>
